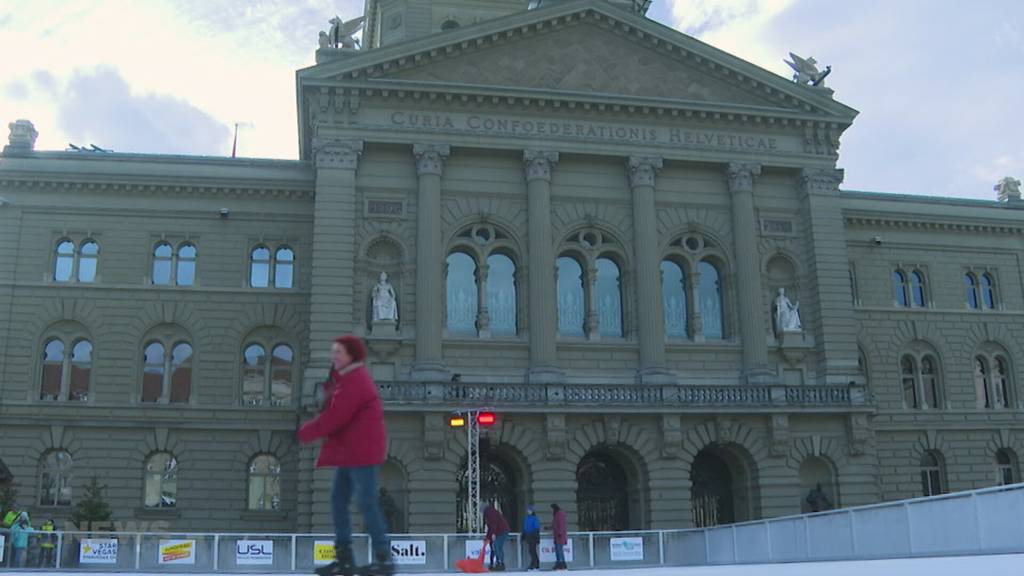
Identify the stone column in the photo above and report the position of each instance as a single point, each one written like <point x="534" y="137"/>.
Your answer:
<point x="483" y="315"/>
<point x="828" y="295"/>
<point x="748" y="274"/>
<point x="429" y="364"/>
<point x="650" y="307"/>
<point x="333" y="259"/>
<point x="543" y="312"/>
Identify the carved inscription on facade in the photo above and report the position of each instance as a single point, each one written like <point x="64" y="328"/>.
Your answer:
<point x="385" y="208"/>
<point x="491" y="125"/>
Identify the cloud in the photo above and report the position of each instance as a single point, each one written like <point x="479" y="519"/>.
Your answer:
<point x="97" y="106"/>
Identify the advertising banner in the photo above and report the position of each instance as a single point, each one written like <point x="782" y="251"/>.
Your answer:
<point x="254" y="552"/>
<point x="323" y="552"/>
<point x="98" y="551"/>
<point x="409" y="552"/>
<point x="624" y="549"/>
<point x="547" y="550"/>
<point x="177" y="552"/>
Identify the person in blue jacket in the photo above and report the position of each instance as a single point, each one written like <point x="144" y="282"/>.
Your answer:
<point x="19" y="540"/>
<point x="531" y="537"/>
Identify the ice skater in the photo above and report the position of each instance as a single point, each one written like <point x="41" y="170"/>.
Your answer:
<point x="352" y="421"/>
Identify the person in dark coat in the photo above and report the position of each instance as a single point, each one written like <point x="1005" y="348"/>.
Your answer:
<point x="559" y="526"/>
<point x="497" y="533"/>
<point x="352" y="421"/>
<point x="531" y="537"/>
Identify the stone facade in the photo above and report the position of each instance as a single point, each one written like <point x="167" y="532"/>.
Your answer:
<point x="448" y="144"/>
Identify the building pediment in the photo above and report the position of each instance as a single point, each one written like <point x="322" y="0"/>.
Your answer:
<point x="585" y="49"/>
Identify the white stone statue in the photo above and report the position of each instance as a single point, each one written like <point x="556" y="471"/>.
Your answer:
<point x="385" y="304"/>
<point x="342" y="34"/>
<point x="1008" y="188"/>
<point x="787" y="314"/>
<point x="807" y="70"/>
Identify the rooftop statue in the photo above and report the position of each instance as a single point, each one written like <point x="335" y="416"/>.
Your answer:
<point x="807" y="70"/>
<point x="1008" y="188"/>
<point x="342" y="34"/>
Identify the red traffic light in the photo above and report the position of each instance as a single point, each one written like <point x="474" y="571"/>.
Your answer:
<point x="486" y="418"/>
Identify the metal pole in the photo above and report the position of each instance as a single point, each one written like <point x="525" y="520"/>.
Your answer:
<point x="216" y="551"/>
<point x="473" y="471"/>
<point x="60" y="549"/>
<point x="661" y="547"/>
<point x="138" y="551"/>
<point x="294" y="543"/>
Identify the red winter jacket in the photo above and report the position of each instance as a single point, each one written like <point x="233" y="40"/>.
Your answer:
<point x="495" y="522"/>
<point x="558" y="526"/>
<point x="352" y="420"/>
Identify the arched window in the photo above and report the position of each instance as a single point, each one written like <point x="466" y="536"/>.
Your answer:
<point x="66" y="374"/>
<point x="254" y="371"/>
<point x="571" y="302"/>
<point x="163" y="257"/>
<point x="501" y="294"/>
<point x="264" y="383"/>
<point x="167" y="377"/>
<point x="64" y="264"/>
<point x="88" y="261"/>
<point x="932" y="474"/>
<point x="462" y="293"/>
<point x="988" y="291"/>
<point x="917" y="288"/>
<point x="609" y="299"/>
<point x="161" y="481"/>
<point x="186" y="273"/>
<point x="992" y="377"/>
<point x="901" y="292"/>
<point x="264" y="483"/>
<point x="1006" y="467"/>
<point x="281" y="370"/>
<point x="919" y="374"/>
<point x="673" y="295"/>
<point x="710" y="294"/>
<point x="259" y="267"/>
<point x="971" y="285"/>
<point x="284" y="267"/>
<point x="55" y="478"/>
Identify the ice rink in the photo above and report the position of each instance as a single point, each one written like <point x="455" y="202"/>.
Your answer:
<point x="943" y="566"/>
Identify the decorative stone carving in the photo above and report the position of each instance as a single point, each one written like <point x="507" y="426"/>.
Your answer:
<point x="538" y="164"/>
<point x="385" y="304"/>
<point x="342" y="34"/>
<point x="642" y="170"/>
<point x="612" y="427"/>
<point x="807" y="70"/>
<point x="22" y="137"/>
<point x="779" y="433"/>
<point x="787" y="314"/>
<point x="742" y="176"/>
<point x="337" y="153"/>
<point x="1008" y="188"/>
<point x="859" y="430"/>
<point x="556" y="436"/>
<point x="671" y="435"/>
<point x="430" y="158"/>
<point x="433" y="436"/>
<point x="821" y="181"/>
<point x="725" y="429"/>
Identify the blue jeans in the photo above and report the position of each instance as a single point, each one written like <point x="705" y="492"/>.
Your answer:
<point x="364" y="482"/>
<point x="18" y="557"/>
<point x="560" y="554"/>
<point x="498" y="547"/>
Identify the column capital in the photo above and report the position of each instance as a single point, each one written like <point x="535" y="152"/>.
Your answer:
<point x="337" y="153"/>
<point x="742" y="176"/>
<point x="430" y="158"/>
<point x="538" y="164"/>
<point x="642" y="170"/>
<point x="822" y="181"/>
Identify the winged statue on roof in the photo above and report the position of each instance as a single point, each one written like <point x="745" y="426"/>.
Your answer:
<point x="807" y="70"/>
<point x="342" y="33"/>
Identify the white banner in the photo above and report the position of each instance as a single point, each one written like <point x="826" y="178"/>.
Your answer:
<point x="177" y="552"/>
<point x="624" y="549"/>
<point x="547" y="550"/>
<point x="254" y="552"/>
<point x="98" y="551"/>
<point x="473" y="549"/>
<point x="406" y="552"/>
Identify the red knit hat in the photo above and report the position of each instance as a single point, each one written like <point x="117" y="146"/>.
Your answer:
<point x="354" y="346"/>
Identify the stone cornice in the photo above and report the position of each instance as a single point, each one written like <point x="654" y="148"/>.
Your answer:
<point x="910" y="223"/>
<point x="158" y="188"/>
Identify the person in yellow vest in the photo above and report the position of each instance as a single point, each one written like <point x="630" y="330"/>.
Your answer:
<point x="47" y="544"/>
<point x="11" y="515"/>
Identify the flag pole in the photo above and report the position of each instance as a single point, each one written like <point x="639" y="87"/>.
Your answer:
<point x="234" y="145"/>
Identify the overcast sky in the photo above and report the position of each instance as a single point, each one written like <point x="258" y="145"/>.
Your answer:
<point x="939" y="83"/>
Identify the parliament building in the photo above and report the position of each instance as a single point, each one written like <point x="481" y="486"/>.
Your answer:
<point x="633" y="247"/>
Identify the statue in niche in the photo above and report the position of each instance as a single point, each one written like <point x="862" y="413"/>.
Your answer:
<point x="787" y="314"/>
<point x="817" y="500"/>
<point x="385" y="304"/>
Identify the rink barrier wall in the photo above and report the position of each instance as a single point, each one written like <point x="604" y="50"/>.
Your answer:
<point x="975" y="522"/>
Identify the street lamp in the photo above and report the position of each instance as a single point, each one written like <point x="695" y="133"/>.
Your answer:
<point x="472" y="420"/>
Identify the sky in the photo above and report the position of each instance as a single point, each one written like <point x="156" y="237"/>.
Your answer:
<point x="939" y="83"/>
